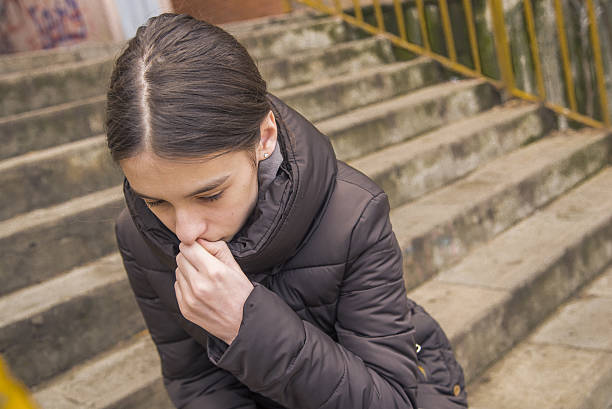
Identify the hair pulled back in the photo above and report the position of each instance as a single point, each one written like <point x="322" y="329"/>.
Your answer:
<point x="184" y="89"/>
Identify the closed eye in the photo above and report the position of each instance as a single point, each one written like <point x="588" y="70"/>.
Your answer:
<point x="211" y="198"/>
<point x="153" y="203"/>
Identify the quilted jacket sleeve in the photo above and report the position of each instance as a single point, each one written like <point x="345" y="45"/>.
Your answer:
<point x="191" y="380"/>
<point x="372" y="364"/>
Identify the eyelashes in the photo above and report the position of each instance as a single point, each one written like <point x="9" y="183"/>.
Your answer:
<point x="154" y="203"/>
<point x="211" y="198"/>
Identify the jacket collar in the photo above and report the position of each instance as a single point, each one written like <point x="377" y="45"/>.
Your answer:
<point x="285" y="213"/>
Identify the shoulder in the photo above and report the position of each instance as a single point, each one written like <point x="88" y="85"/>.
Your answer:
<point x="356" y="183"/>
<point x="353" y="193"/>
<point x="357" y="196"/>
<point x="351" y="204"/>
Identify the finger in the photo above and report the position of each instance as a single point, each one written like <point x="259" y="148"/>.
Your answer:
<point x="178" y="292"/>
<point x="221" y="252"/>
<point x="200" y="258"/>
<point x="186" y="265"/>
<point x="179" y="295"/>
<point x="185" y="272"/>
<point x="183" y="294"/>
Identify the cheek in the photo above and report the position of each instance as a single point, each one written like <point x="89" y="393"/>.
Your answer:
<point x="246" y="199"/>
<point x="165" y="215"/>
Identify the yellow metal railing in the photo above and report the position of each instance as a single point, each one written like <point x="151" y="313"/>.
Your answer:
<point x="355" y="16"/>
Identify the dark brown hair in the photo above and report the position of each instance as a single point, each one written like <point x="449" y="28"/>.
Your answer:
<point x="184" y="89"/>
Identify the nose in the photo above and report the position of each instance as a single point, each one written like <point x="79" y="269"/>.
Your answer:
<point x="189" y="225"/>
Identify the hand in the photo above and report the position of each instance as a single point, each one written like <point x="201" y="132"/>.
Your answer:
<point x="211" y="288"/>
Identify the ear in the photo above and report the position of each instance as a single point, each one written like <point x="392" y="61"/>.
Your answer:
<point x="268" y="133"/>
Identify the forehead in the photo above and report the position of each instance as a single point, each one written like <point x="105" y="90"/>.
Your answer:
<point x="158" y="177"/>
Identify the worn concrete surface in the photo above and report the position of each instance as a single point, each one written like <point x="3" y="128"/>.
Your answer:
<point x="52" y="176"/>
<point x="439" y="229"/>
<point x="341" y="59"/>
<point x="27" y="61"/>
<point x="567" y="258"/>
<point x="130" y="369"/>
<point x="328" y="97"/>
<point x="408" y="170"/>
<point x="399" y="119"/>
<point x="283" y="39"/>
<point x="59" y="124"/>
<point x="566" y="363"/>
<point x="45" y="242"/>
<point x="67" y="319"/>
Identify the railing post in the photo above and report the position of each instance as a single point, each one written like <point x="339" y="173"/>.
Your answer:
<point x="599" y="69"/>
<point x="448" y="30"/>
<point x="423" y="25"/>
<point x="338" y="6"/>
<point x="535" y="51"/>
<point x="358" y="12"/>
<point x="565" y="56"/>
<point x="380" y="21"/>
<point x="501" y="44"/>
<point x="469" y="20"/>
<point x="401" y="26"/>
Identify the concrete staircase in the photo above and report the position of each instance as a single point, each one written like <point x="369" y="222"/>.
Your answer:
<point x="502" y="218"/>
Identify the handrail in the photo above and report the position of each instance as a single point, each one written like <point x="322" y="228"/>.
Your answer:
<point x="355" y="16"/>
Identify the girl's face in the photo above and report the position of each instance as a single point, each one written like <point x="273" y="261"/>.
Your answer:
<point x="209" y="199"/>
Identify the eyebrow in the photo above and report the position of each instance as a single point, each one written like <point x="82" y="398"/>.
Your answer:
<point x="212" y="184"/>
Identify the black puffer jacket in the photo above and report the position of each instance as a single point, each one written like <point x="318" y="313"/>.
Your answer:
<point x="327" y="325"/>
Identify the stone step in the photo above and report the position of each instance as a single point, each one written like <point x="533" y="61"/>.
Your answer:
<point x="126" y="377"/>
<point x="319" y="64"/>
<point x="59" y="161"/>
<point x="134" y="367"/>
<point x="12" y="263"/>
<point x="502" y="290"/>
<point x="409" y="170"/>
<point x="439" y="229"/>
<point x="82" y="119"/>
<point x="67" y="319"/>
<point x="45" y="87"/>
<point x="565" y="364"/>
<point x="70" y="301"/>
<point x="43" y="243"/>
<point x="396" y="120"/>
<point x="32" y="60"/>
<point x="52" y="176"/>
<point x="47" y="127"/>
<point x="285" y="39"/>
<point x="337" y="95"/>
<point x="48" y="177"/>
<point x="250" y="26"/>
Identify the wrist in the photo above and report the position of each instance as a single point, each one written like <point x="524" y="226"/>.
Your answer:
<point x="238" y="323"/>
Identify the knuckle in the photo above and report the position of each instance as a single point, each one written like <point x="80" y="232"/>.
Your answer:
<point x="200" y="289"/>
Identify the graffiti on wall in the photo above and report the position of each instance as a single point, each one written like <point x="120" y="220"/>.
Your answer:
<point x="59" y="23"/>
<point x="37" y="24"/>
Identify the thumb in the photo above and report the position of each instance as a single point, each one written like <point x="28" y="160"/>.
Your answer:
<point x="221" y="252"/>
